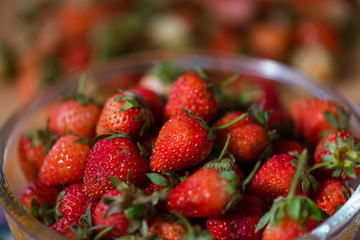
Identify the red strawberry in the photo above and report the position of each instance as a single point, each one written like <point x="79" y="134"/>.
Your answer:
<point x="117" y="220"/>
<point x="73" y="202"/>
<point x="286" y="146"/>
<point x="288" y="229"/>
<point x="115" y="156"/>
<point x="315" y="117"/>
<point x="205" y="193"/>
<point x="33" y="148"/>
<point x="182" y="143"/>
<point x="239" y="223"/>
<point x="192" y="92"/>
<point x="331" y="195"/>
<point x="63" y="227"/>
<point x="39" y="192"/>
<point x="72" y="117"/>
<point x="125" y="112"/>
<point x="65" y="163"/>
<point x="274" y="178"/>
<point x="167" y="229"/>
<point x="338" y="155"/>
<point x="156" y="103"/>
<point x="248" y="139"/>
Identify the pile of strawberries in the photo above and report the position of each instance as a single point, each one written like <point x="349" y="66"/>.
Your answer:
<point x="214" y="158"/>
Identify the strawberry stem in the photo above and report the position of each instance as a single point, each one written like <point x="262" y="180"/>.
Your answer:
<point x="229" y="80"/>
<point x="296" y="178"/>
<point x="224" y="150"/>
<point x="230" y="123"/>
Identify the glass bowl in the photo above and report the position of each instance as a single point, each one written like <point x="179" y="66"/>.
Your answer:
<point x="121" y="74"/>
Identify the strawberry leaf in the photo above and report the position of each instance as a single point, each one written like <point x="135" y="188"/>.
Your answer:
<point x="158" y="179"/>
<point x="58" y="215"/>
<point x="167" y="72"/>
<point x="331" y="119"/>
<point x="144" y="228"/>
<point x="294" y="208"/>
<point x="264" y="220"/>
<point x="345" y="193"/>
<point x="143" y="151"/>
<point x="135" y="211"/>
<point x="103" y="233"/>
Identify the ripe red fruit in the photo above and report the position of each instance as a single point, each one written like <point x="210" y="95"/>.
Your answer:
<point x="286" y="146"/>
<point x="274" y="178"/>
<point x="167" y="229"/>
<point x="41" y="193"/>
<point x="248" y="139"/>
<point x="331" y="195"/>
<point x="340" y="152"/>
<point x="191" y="92"/>
<point x="203" y="194"/>
<point x="182" y="143"/>
<point x="124" y="112"/>
<point x="72" y="117"/>
<point x="74" y="202"/>
<point x="311" y="121"/>
<point x="287" y="229"/>
<point x="239" y="223"/>
<point x="117" y="220"/>
<point x="113" y="156"/>
<point x="65" y="163"/>
<point x="63" y="227"/>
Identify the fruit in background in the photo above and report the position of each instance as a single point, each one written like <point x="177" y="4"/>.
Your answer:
<point x="167" y="229"/>
<point x="65" y="162"/>
<point x="286" y="146"/>
<point x="224" y="39"/>
<point x="194" y="93"/>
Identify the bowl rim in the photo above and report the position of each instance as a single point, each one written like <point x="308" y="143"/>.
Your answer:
<point x="268" y="68"/>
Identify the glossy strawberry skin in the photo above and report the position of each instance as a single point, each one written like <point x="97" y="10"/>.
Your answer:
<point x="202" y="194"/>
<point x="321" y="151"/>
<point x="288" y="229"/>
<point x="182" y="143"/>
<point x="75" y="202"/>
<point x="309" y="119"/>
<point x="63" y="227"/>
<point x="65" y="163"/>
<point x="191" y="92"/>
<point x="71" y="117"/>
<point x="113" y="157"/>
<point x="239" y="223"/>
<point x="167" y="229"/>
<point x="248" y="139"/>
<point x="118" y="220"/>
<point x="274" y="178"/>
<point x="330" y="195"/>
<point x="123" y="121"/>
<point x="41" y="193"/>
<point x="30" y="157"/>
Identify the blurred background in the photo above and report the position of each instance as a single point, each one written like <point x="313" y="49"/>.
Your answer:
<point x="42" y="40"/>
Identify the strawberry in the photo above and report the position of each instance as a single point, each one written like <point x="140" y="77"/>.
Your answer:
<point x="248" y="139"/>
<point x="155" y="102"/>
<point x="286" y="146"/>
<point x="32" y="149"/>
<point x="65" y="163"/>
<point x="338" y="155"/>
<point x="125" y="112"/>
<point x="116" y="156"/>
<point x="72" y="201"/>
<point x="167" y="229"/>
<point x="183" y="142"/>
<point x="63" y="227"/>
<point x="118" y="220"/>
<point x="332" y="194"/>
<point x="314" y="118"/>
<point x="274" y="178"/>
<point x="72" y="117"/>
<point x="192" y="92"/>
<point x="206" y="193"/>
<point x="239" y="223"/>
<point x="160" y="78"/>
<point x="293" y="215"/>
<point x="77" y="116"/>
<point x="40" y="193"/>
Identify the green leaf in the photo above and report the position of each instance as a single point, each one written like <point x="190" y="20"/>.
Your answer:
<point x="337" y="171"/>
<point x="330" y="118"/>
<point x="305" y="184"/>
<point x="58" y="202"/>
<point x="158" y="179"/>
<point x="263" y="221"/>
<point x="143" y="151"/>
<point x="167" y="72"/>
<point x="350" y="171"/>
<point x="144" y="228"/>
<point x="294" y="208"/>
<point x="279" y="214"/>
<point x="135" y="211"/>
<point x="34" y="208"/>
<point x="345" y="193"/>
<point x="329" y="158"/>
<point x="330" y="146"/>
<point x="103" y="233"/>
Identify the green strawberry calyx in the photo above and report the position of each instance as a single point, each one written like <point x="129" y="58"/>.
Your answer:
<point x="166" y="72"/>
<point x="160" y="180"/>
<point x="43" y="136"/>
<point x="80" y="95"/>
<point x="343" y="157"/>
<point x="43" y="213"/>
<point x="299" y="208"/>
